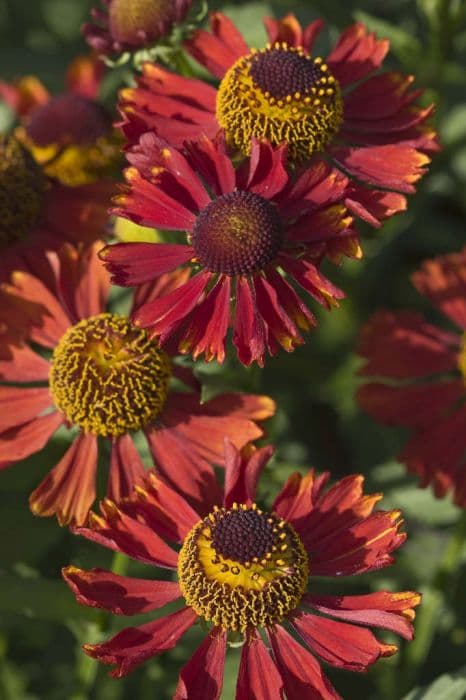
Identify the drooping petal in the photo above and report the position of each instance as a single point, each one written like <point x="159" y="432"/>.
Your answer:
<point x="242" y="472"/>
<point x="443" y="281"/>
<point x="301" y="673"/>
<point x="340" y="644"/>
<point x="202" y="677"/>
<point x="280" y="325"/>
<point x="258" y="676"/>
<point x="268" y="175"/>
<point x="26" y="439"/>
<point x="392" y="166"/>
<point x="134" y="645"/>
<point x="390" y="611"/>
<point x="19" y="405"/>
<point x="212" y="162"/>
<point x="291" y="302"/>
<point x="68" y="491"/>
<point x="131" y="264"/>
<point x="309" y="278"/>
<point x="126" y="468"/>
<point x="248" y="329"/>
<point x="121" y="595"/>
<point x="208" y="324"/>
<point x="122" y="533"/>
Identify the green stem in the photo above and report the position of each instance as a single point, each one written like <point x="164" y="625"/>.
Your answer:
<point x="434" y="601"/>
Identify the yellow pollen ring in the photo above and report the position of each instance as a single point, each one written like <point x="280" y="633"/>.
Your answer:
<point x="108" y="377"/>
<point x="305" y="119"/>
<point x="238" y="595"/>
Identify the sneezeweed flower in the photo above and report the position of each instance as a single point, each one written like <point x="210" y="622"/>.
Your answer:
<point x="340" y="107"/>
<point x="420" y="377"/>
<point x="245" y="228"/>
<point x="244" y="571"/>
<point x="38" y="213"/>
<point x="127" y="26"/>
<point x="105" y="379"/>
<point x="69" y="134"/>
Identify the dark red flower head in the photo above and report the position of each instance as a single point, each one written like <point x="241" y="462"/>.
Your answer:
<point x="253" y="236"/>
<point x="340" y="107"/>
<point x="422" y="377"/>
<point x="244" y="570"/>
<point x="105" y="379"/>
<point x="126" y="26"/>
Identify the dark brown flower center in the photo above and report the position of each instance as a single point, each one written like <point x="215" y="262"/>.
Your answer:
<point x="237" y="234"/>
<point x="283" y="73"/>
<point x="22" y="188"/>
<point x="243" y="535"/>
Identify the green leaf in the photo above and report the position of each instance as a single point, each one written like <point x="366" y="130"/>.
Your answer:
<point x="450" y="686"/>
<point x="249" y="20"/>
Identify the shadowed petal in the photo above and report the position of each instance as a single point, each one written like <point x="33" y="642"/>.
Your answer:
<point x="19" y="405"/>
<point x="202" y="677"/>
<point x="242" y="472"/>
<point x="24" y="440"/>
<point x="443" y="281"/>
<point x="258" y="677"/>
<point x="132" y="264"/>
<point x="121" y="595"/>
<point x="356" y="55"/>
<point x="126" y="468"/>
<point x="134" y="645"/>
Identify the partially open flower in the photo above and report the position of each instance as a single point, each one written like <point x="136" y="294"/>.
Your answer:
<point x="105" y="379"/>
<point x="420" y="377"/>
<point x="338" y="107"/>
<point x="127" y="26"/>
<point x="250" y="573"/>
<point x="69" y="134"/>
<point x="251" y="234"/>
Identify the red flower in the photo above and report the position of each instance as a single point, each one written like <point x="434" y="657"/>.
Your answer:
<point x="105" y="378"/>
<point x="424" y="372"/>
<point x="241" y="568"/>
<point x="248" y="225"/>
<point x="54" y="169"/>
<point x="126" y="26"/>
<point x="342" y="108"/>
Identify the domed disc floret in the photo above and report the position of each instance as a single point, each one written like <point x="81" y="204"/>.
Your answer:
<point x="242" y="568"/>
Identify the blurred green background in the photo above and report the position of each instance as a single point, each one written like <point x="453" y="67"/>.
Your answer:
<point x="41" y="626"/>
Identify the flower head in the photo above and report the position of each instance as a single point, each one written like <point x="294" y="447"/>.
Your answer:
<point x="421" y="371"/>
<point x="249" y="232"/>
<point x="126" y="26"/>
<point x="244" y="571"/>
<point x="105" y="379"/>
<point x="339" y="107"/>
<point x="69" y="134"/>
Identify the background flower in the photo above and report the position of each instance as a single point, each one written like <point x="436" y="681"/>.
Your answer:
<point x="424" y="371"/>
<point x="242" y="569"/>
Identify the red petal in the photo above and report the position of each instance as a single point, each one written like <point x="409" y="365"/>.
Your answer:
<point x="202" y="677"/>
<point x="213" y="164"/>
<point x="164" y="315"/>
<point x="83" y="284"/>
<point x="392" y="166"/>
<point x="164" y="510"/>
<point x="374" y="206"/>
<point x="23" y="365"/>
<point x="134" y="645"/>
<point x="24" y="440"/>
<point x="279" y="323"/>
<point x="121" y="595"/>
<point x="242" y="473"/>
<point x="414" y="406"/>
<point x="356" y="55"/>
<point x="295" y="501"/>
<point x="217" y="51"/>
<point x="20" y="405"/>
<point x="287" y="30"/>
<point x="310" y="279"/>
<point x="126" y="469"/>
<point x="208" y="325"/>
<point x="249" y="331"/>
<point x="258" y="677"/>
<point x="131" y="264"/>
<point x="291" y="302"/>
<point x="268" y="175"/>
<point x="301" y="673"/>
<point x="402" y="345"/>
<point x="84" y="76"/>
<point x="340" y="644"/>
<point x="68" y="491"/>
<point x="391" y="611"/>
<point x="122" y="533"/>
<point x="443" y="281"/>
